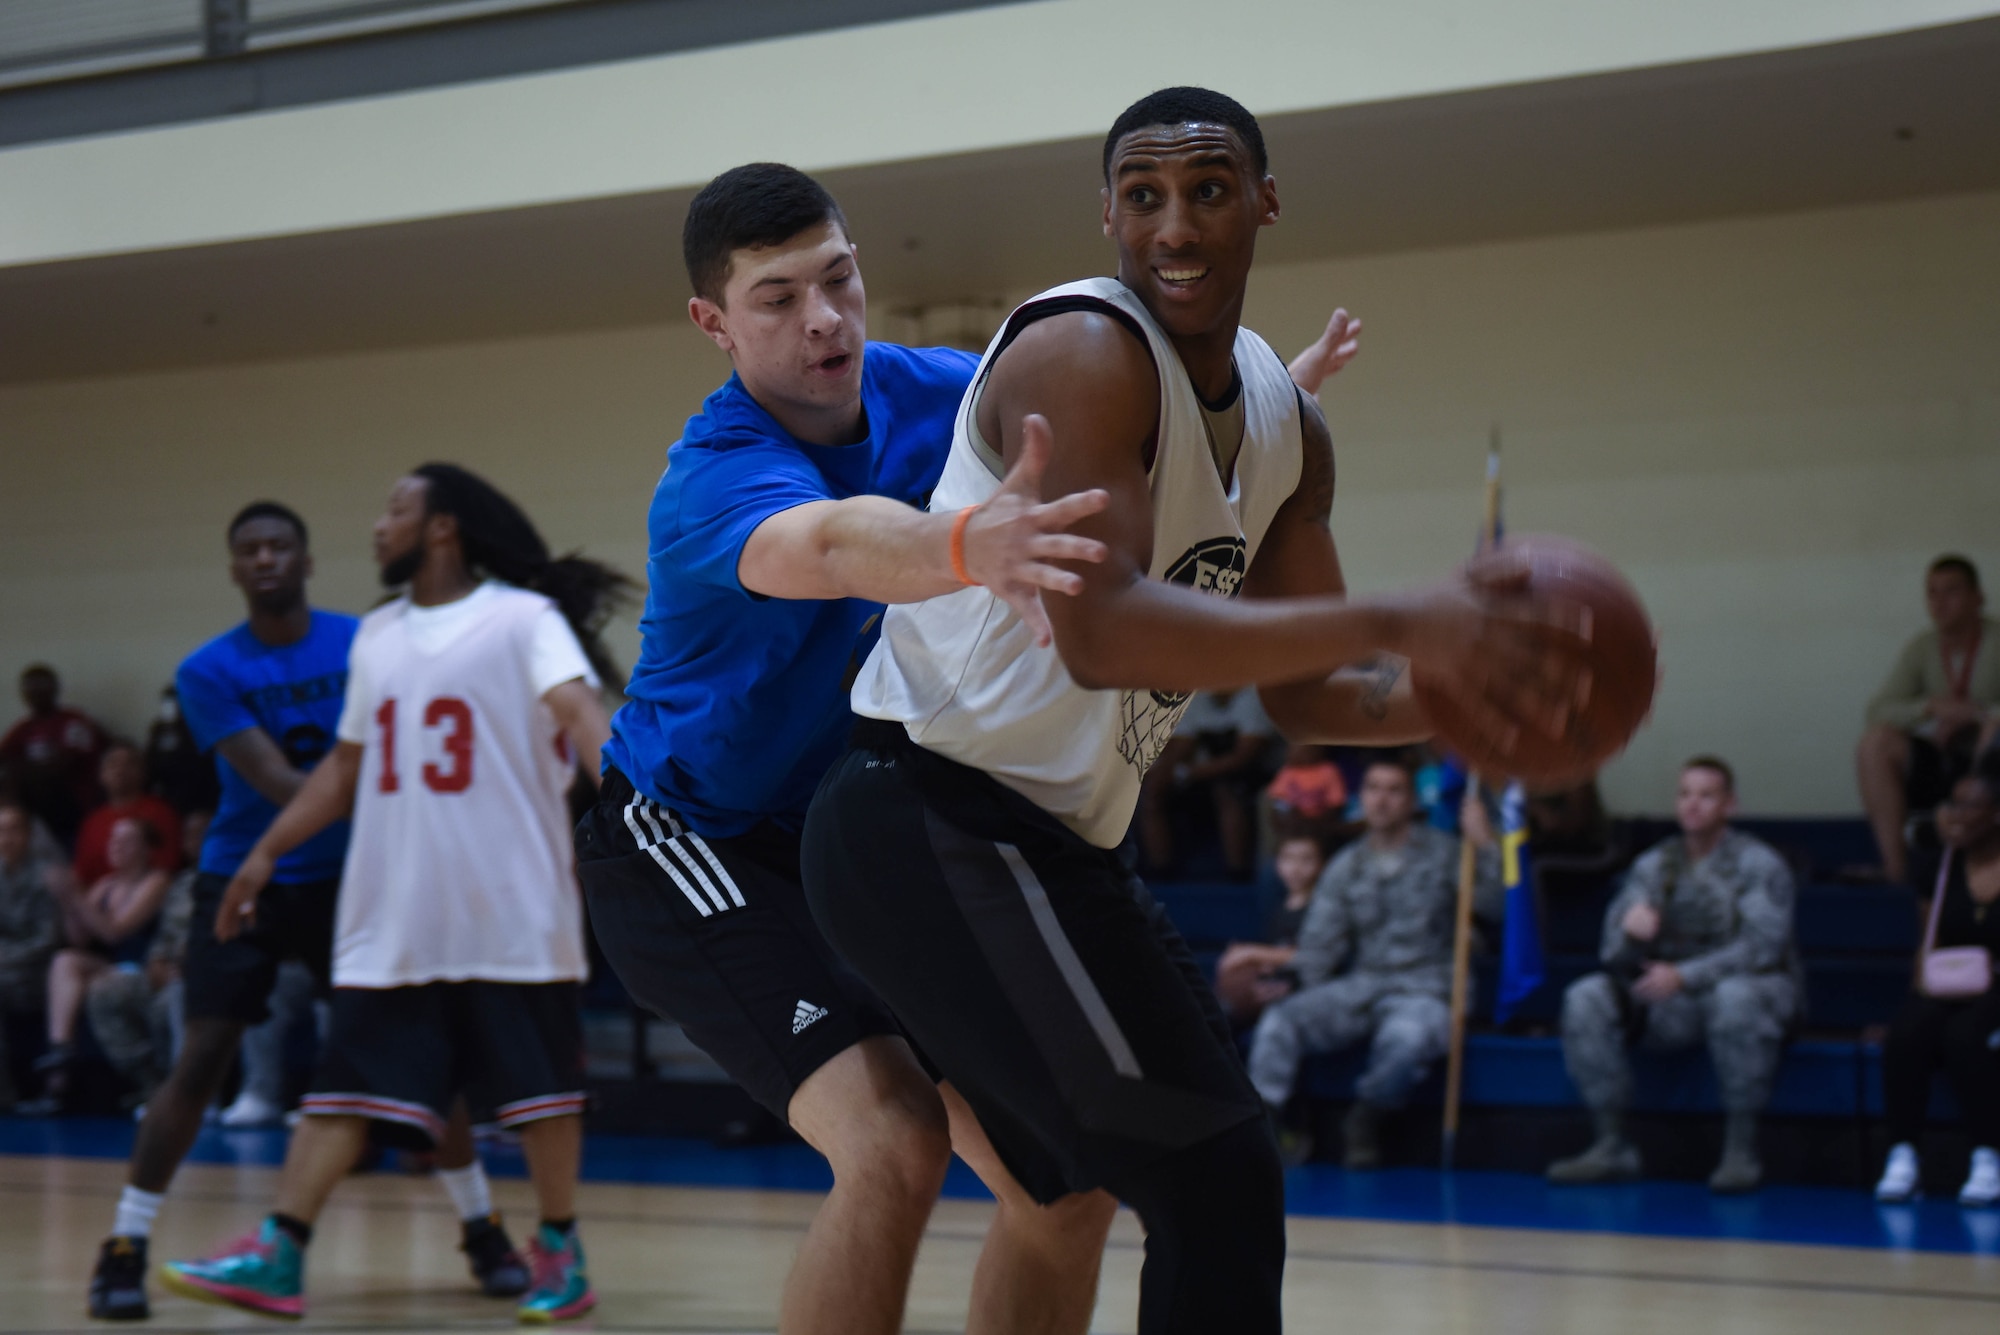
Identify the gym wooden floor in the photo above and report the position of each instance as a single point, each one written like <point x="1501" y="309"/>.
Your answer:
<point x="706" y="1260"/>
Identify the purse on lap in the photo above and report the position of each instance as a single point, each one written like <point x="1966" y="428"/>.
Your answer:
<point x="1955" y="973"/>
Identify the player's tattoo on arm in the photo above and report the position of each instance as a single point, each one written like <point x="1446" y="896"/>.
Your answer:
<point x="1316" y="464"/>
<point x="1383" y="675"/>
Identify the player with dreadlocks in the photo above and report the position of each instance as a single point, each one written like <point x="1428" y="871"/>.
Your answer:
<point x="459" y="940"/>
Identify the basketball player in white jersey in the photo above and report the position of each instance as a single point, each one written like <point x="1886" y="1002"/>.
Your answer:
<point x="962" y="856"/>
<point x="459" y="942"/>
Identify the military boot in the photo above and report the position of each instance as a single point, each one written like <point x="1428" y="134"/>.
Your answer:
<point x="1610" y="1158"/>
<point x="1740" y="1169"/>
<point x="1361" y="1136"/>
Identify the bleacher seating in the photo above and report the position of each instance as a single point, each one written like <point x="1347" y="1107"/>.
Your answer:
<point x="1856" y="941"/>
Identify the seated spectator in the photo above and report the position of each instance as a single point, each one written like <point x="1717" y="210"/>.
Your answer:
<point x="1952" y="1032"/>
<point x="176" y="770"/>
<point x="1373" y="965"/>
<point x="1937" y="709"/>
<point x="30" y="926"/>
<point x="53" y="754"/>
<point x="135" y="1011"/>
<point x="1253" y="974"/>
<point x="1307" y="787"/>
<point x="1220" y="744"/>
<point x="107" y="925"/>
<point x="1698" y="944"/>
<point x="122" y="773"/>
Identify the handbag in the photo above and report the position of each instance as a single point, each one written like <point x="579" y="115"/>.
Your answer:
<point x="1957" y="972"/>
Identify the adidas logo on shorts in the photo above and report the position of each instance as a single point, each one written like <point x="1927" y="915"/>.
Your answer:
<point x="806" y="1014"/>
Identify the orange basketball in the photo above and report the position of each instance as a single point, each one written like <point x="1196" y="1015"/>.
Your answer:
<point x="1624" y="668"/>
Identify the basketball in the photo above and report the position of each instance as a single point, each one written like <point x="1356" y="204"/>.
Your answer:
<point x="1622" y="659"/>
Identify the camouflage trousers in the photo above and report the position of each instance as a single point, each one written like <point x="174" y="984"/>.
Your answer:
<point x="1406" y="1022"/>
<point x="134" y="1024"/>
<point x="1743" y="1019"/>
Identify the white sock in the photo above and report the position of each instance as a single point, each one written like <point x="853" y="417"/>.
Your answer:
<point x="468" y="1190"/>
<point x="136" y="1209"/>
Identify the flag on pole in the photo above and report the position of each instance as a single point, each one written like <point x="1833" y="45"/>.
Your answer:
<point x="1521" y="965"/>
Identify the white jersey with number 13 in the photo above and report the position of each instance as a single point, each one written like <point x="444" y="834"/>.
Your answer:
<point x="460" y="864"/>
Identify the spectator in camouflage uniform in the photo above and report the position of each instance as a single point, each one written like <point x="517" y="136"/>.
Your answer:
<point x="30" y="927"/>
<point x="1698" y="945"/>
<point x="1382" y="917"/>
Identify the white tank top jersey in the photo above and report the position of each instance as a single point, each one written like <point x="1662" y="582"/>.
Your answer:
<point x="460" y="864"/>
<point x="964" y="676"/>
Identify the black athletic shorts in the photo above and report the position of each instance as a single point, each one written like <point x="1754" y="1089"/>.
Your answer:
<point x="1030" y="966"/>
<point x="400" y="1055"/>
<point x="232" y="980"/>
<point x="715" y="935"/>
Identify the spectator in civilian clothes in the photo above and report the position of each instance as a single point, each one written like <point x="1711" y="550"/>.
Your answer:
<point x="1220" y="744"/>
<point x="1252" y="975"/>
<point x="53" y="753"/>
<point x="107" y="926"/>
<point x="30" y="927"/>
<point x="135" y="1011"/>
<point x="1939" y="706"/>
<point x="1697" y="946"/>
<point x="122" y="772"/>
<point x="176" y="770"/>
<point x="1956" y="1033"/>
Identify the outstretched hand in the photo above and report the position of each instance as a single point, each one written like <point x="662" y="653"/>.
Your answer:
<point x="1012" y="538"/>
<point x="1512" y="659"/>
<point x="1332" y="350"/>
<point x="238" y="910"/>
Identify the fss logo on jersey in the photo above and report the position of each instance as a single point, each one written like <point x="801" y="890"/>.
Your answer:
<point x="1214" y="566"/>
<point x="1147" y="718"/>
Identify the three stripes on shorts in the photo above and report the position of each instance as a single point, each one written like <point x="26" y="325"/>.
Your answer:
<point x="684" y="856"/>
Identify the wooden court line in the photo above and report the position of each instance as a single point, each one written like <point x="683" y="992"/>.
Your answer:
<point x="1990" y="1299"/>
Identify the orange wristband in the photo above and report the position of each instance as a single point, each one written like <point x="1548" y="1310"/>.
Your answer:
<point x="958" y="547"/>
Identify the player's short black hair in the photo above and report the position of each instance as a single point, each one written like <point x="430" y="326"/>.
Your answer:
<point x="1962" y="564"/>
<point x="1714" y="765"/>
<point x="267" y="510"/>
<point x="757" y="204"/>
<point x="1188" y="106"/>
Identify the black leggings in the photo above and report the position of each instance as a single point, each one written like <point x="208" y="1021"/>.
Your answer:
<point x="1214" y="1216"/>
<point x="1957" y="1035"/>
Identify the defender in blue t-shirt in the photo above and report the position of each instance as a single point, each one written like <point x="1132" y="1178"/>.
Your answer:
<point x="790" y="513"/>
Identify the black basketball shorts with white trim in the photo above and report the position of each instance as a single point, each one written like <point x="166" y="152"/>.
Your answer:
<point x="1031" y="968"/>
<point x="400" y="1056"/>
<point x="714" y="934"/>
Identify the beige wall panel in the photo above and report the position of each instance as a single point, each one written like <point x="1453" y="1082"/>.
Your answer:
<point x="1771" y="424"/>
<point x="111" y="556"/>
<point x="983" y="79"/>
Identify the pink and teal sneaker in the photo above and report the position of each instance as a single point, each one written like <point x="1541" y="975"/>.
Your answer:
<point x="263" y="1273"/>
<point x="561" y="1290"/>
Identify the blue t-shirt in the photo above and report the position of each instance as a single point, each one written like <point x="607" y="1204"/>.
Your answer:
<point x="738" y="706"/>
<point x="294" y="692"/>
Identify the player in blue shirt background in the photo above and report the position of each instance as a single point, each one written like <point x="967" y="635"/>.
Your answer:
<point x="265" y="697"/>
<point x="791" y="511"/>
